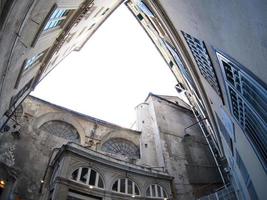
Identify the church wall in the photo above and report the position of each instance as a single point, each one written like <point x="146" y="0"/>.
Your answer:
<point x="28" y="151"/>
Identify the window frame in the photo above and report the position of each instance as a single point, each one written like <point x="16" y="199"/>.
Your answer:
<point x="29" y="68"/>
<point x="98" y="177"/>
<point x="55" y="128"/>
<point x="134" y="184"/>
<point x="38" y="58"/>
<point x="41" y="31"/>
<point x="61" y="18"/>
<point x="162" y="189"/>
<point x="116" y="143"/>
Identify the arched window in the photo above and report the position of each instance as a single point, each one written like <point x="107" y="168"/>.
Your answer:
<point x="122" y="147"/>
<point x="156" y="191"/>
<point x="88" y="176"/>
<point x="61" y="129"/>
<point x="126" y="186"/>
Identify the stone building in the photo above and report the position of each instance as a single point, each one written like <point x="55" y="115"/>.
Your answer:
<point x="37" y="35"/>
<point x="100" y="160"/>
<point x="171" y="138"/>
<point x="216" y="50"/>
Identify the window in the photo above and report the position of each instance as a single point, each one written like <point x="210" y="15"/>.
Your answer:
<point x="88" y="176"/>
<point x="225" y="133"/>
<point x="200" y="53"/>
<point x="246" y="178"/>
<point x="177" y="58"/>
<point x="56" y="19"/>
<point x="126" y="186"/>
<point x="122" y="147"/>
<point x="29" y="63"/>
<point x="23" y="91"/>
<point x="61" y="129"/>
<point x="145" y="9"/>
<point x="248" y="104"/>
<point x="156" y="191"/>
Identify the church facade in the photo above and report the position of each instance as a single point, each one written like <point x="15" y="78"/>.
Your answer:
<point x="58" y="153"/>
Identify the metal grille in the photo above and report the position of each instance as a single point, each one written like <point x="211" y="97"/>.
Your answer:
<point x="122" y="147"/>
<point x="248" y="102"/>
<point x="203" y="61"/>
<point x="61" y="129"/>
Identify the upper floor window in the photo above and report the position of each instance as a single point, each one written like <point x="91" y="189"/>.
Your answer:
<point x="88" y="176"/>
<point x="247" y="98"/>
<point x="57" y="18"/>
<point x="126" y="186"/>
<point x="122" y="147"/>
<point x="144" y="8"/>
<point x="202" y="58"/>
<point x="156" y="191"/>
<point x="61" y="129"/>
<point x="33" y="60"/>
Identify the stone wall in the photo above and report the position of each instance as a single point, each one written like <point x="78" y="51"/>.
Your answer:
<point x="28" y="150"/>
<point x="185" y="153"/>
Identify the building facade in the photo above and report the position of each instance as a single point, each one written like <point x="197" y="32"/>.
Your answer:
<point x="224" y="77"/>
<point x="55" y="153"/>
<point x="216" y="50"/>
<point x="37" y="35"/>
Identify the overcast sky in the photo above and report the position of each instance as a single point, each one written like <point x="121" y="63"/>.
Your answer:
<point x="112" y="74"/>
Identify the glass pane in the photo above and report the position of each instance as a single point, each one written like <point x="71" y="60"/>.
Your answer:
<point x="159" y="191"/>
<point x="92" y="177"/>
<point x="75" y="174"/>
<point x="136" y="190"/>
<point x="115" y="186"/>
<point x="130" y="187"/>
<point x="54" y="14"/>
<point x="59" y="22"/>
<point x="148" y="192"/>
<point x="66" y="12"/>
<point x="122" y="186"/>
<point x="164" y="193"/>
<point x="153" y="190"/>
<point x="84" y="175"/>
<point x="145" y="9"/>
<point x="100" y="182"/>
<point x="59" y="13"/>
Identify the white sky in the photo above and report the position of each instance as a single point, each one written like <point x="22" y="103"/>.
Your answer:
<point x="112" y="74"/>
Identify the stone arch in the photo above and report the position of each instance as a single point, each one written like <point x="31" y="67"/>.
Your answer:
<point x="121" y="146"/>
<point x="132" y="136"/>
<point x="60" y="116"/>
<point x="131" y="178"/>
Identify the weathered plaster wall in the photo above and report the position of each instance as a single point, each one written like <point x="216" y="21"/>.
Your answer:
<point x="186" y="154"/>
<point x="28" y="152"/>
